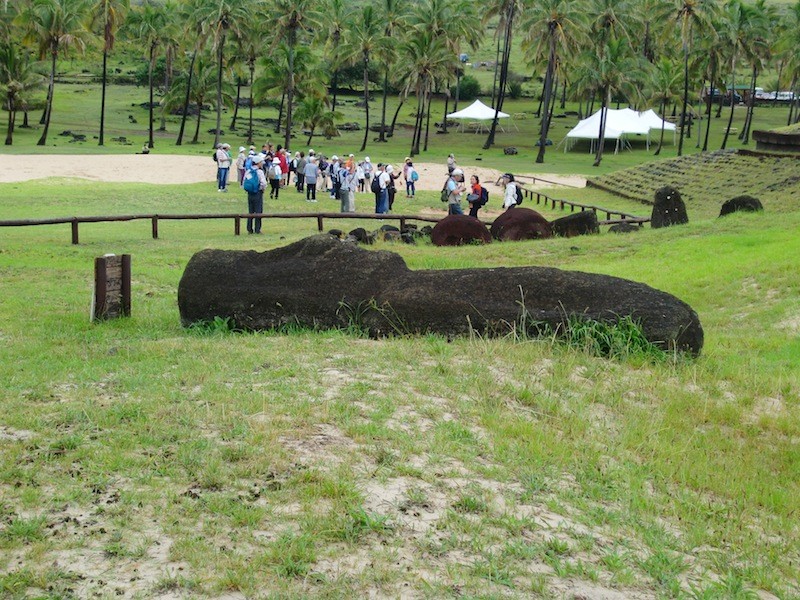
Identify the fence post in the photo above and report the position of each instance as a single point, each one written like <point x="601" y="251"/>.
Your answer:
<point x="237" y="225"/>
<point x="75" y="230"/>
<point x="608" y="216"/>
<point x="155" y="226"/>
<point x="402" y="223"/>
<point x="562" y="204"/>
<point x="538" y="197"/>
<point x="319" y="223"/>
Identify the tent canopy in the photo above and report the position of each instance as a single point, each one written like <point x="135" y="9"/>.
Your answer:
<point x="477" y="111"/>
<point x="619" y="123"/>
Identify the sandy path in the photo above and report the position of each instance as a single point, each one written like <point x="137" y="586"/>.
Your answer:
<point x="176" y="169"/>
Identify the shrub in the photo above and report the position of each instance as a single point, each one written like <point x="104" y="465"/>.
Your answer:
<point x="468" y="88"/>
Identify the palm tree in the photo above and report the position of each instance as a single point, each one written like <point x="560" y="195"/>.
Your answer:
<point x="17" y="79"/>
<point x="550" y="24"/>
<point x="737" y="21"/>
<point x="664" y="88"/>
<point x="761" y="32"/>
<point x="54" y="25"/>
<point x="712" y="55"/>
<point x="197" y="30"/>
<point x="312" y="112"/>
<point x="146" y="25"/>
<point x="691" y="15"/>
<point x="249" y="43"/>
<point x="395" y="17"/>
<point x="109" y="14"/>
<point x="294" y="19"/>
<point x="337" y="22"/>
<point x="365" y="39"/>
<point x="204" y="83"/>
<point x="789" y="49"/>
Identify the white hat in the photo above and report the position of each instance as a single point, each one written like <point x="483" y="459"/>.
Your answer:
<point x="226" y="145"/>
<point x="457" y="172"/>
<point x="334" y="157"/>
<point x="258" y="159"/>
<point x="251" y="153"/>
<point x="276" y="161"/>
<point x="351" y="156"/>
<point x="311" y="151"/>
<point x="366" y="159"/>
<point x="241" y="148"/>
<point x="389" y="168"/>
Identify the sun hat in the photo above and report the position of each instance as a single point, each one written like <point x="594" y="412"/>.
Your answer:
<point x="389" y="168"/>
<point x="241" y="148"/>
<point x="351" y="156"/>
<point x="226" y="145"/>
<point x="258" y="159"/>
<point x="334" y="157"/>
<point x="457" y="172"/>
<point x="366" y="159"/>
<point x="251" y="153"/>
<point x="276" y="161"/>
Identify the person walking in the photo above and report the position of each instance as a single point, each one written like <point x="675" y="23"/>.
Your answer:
<point x="223" y="166"/>
<point x="475" y="197"/>
<point x="311" y="172"/>
<point x="455" y="188"/>
<point x="240" y="160"/>
<point x="255" y="193"/>
<point x="411" y="176"/>
<point x="510" y="195"/>
<point x="274" y="173"/>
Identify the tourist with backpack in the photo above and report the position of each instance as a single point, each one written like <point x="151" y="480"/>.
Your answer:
<point x="380" y="187"/>
<point x="411" y="176"/>
<point x="223" y="160"/>
<point x="301" y="171"/>
<point x="274" y="174"/>
<point x="478" y="196"/>
<point x="513" y="194"/>
<point x="254" y="183"/>
<point x="455" y="188"/>
<point x="333" y="172"/>
<point x="368" y="169"/>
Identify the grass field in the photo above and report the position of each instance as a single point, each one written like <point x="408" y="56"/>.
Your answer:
<point x="141" y="459"/>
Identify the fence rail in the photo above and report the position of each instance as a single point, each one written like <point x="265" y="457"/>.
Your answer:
<point x="154" y="219"/>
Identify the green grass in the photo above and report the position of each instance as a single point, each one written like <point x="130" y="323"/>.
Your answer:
<point x="323" y="464"/>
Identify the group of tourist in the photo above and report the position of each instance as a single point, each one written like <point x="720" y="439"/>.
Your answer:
<point x="341" y="178"/>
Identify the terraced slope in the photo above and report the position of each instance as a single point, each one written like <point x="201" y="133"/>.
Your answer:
<point x="707" y="180"/>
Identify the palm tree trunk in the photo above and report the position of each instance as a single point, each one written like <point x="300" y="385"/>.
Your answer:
<point x="685" y="93"/>
<point x="236" y="105"/>
<point x="496" y="67"/>
<point x="663" y="124"/>
<point x="280" y="112"/>
<point x="150" y="104"/>
<point x="563" y="104"/>
<point x="733" y="104"/>
<point x="427" y="121"/>
<point x="334" y="81"/>
<point x="290" y="94"/>
<point x="250" y="124"/>
<point x="382" y="134"/>
<point x="220" y="52"/>
<point x="186" y="100"/>
<point x="199" y="113"/>
<point x="310" y="135"/>
<point x="394" y="119"/>
<point x="751" y="106"/>
<point x="103" y="97"/>
<point x="459" y="74"/>
<point x="25" y="124"/>
<point x="502" y="84"/>
<point x="366" y="101"/>
<point x="417" y="125"/>
<point x="548" y="92"/>
<point x="446" y="110"/>
<point x="711" y="82"/>
<point x="11" y="115"/>
<point x="49" y="106"/>
<point x="603" y="118"/>
<point x="792" y="104"/>
<point x="167" y="85"/>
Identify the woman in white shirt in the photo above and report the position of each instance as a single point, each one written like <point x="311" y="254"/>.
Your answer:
<point x="510" y="197"/>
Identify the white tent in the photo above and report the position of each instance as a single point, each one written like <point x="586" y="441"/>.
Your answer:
<point x="619" y="124"/>
<point x="477" y="111"/>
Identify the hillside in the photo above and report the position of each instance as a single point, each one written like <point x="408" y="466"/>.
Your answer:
<point x="707" y="180"/>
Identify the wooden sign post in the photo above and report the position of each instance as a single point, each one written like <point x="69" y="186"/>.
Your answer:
<point x="112" y="287"/>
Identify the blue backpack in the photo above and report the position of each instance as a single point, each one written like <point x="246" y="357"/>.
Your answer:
<point x="414" y="175"/>
<point x="250" y="181"/>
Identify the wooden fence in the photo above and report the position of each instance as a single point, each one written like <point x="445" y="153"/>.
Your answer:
<point x="74" y="222"/>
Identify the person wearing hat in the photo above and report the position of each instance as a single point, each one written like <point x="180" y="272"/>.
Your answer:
<point x="223" y="166"/>
<point x="240" y="160"/>
<point x="274" y="175"/>
<point x="455" y="188"/>
<point x="510" y="195"/>
<point x="382" y="197"/>
<point x="333" y="173"/>
<point x="367" y="167"/>
<point x="451" y="163"/>
<point x="311" y="172"/>
<point x="410" y="176"/>
<point x="391" y="188"/>
<point x="255" y="200"/>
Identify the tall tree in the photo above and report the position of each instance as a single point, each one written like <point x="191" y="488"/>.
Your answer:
<point x="761" y="34"/>
<point x="664" y="88"/>
<point x="395" y="17"/>
<point x="146" y="24"/>
<point x="550" y="25"/>
<point x="691" y="16"/>
<point x="335" y="25"/>
<point x="108" y="15"/>
<point x="54" y="25"/>
<point x="736" y="22"/>
<point x="17" y="79"/>
<point x="197" y="32"/>
<point x="364" y="41"/>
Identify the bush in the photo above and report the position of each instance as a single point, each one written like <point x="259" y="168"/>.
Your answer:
<point x="469" y="88"/>
<point x="515" y="90"/>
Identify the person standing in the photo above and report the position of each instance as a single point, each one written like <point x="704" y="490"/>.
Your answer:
<point x="301" y="168"/>
<point x="382" y="199"/>
<point x="223" y="166"/>
<point x="455" y="188"/>
<point x="410" y="175"/>
<point x="311" y="172"/>
<point x="240" y="160"/>
<point x="451" y="163"/>
<point x="360" y="177"/>
<point x="275" y="174"/>
<point x="475" y="197"/>
<point x="347" y="190"/>
<point x="281" y="155"/>
<point x="255" y="199"/>
<point x="510" y="195"/>
<point x="391" y="188"/>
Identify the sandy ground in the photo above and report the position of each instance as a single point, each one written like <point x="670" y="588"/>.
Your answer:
<point x="175" y="169"/>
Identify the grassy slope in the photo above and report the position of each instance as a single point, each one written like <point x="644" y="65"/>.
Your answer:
<point x="147" y="457"/>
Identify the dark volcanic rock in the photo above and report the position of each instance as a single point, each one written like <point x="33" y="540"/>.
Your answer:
<point x="360" y="235"/>
<point x="668" y="208"/>
<point x="582" y="223"/>
<point x="623" y="227"/>
<point x="457" y="230"/>
<point x="309" y="282"/>
<point x="741" y="203"/>
<point x="520" y="224"/>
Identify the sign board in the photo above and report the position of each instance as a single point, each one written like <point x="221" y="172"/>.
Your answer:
<point x="112" y="287"/>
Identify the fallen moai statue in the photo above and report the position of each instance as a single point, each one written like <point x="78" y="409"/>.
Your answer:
<point x="457" y="230"/>
<point x="520" y="224"/>
<point x="324" y="282"/>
